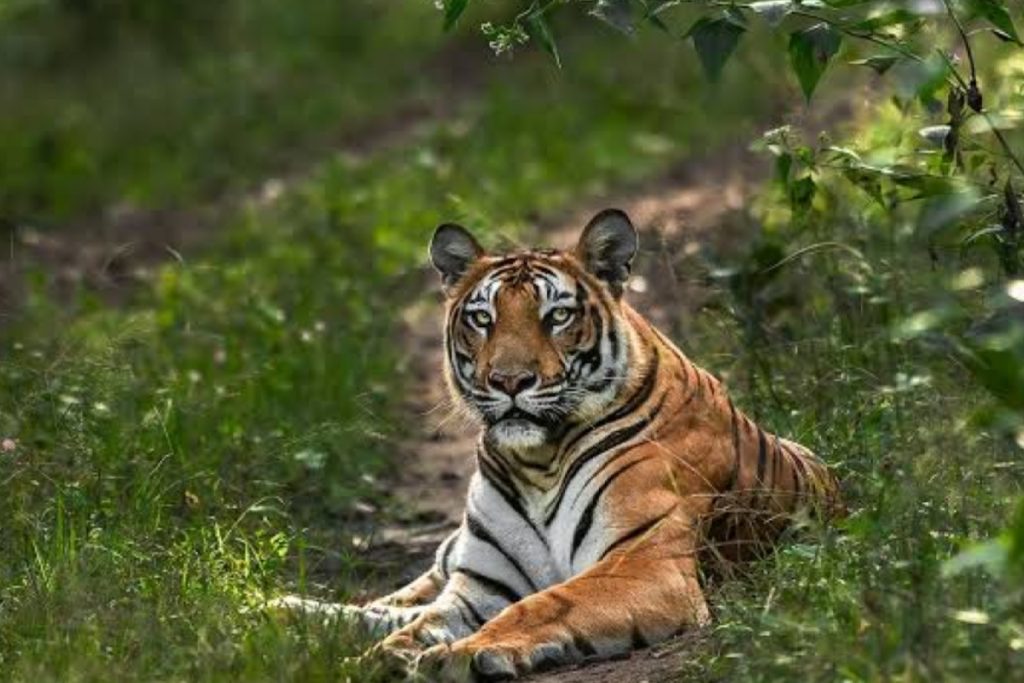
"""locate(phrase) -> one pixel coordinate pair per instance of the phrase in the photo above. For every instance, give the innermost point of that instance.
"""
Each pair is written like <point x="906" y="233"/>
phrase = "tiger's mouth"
<point x="517" y="413"/>
<point x="519" y="416"/>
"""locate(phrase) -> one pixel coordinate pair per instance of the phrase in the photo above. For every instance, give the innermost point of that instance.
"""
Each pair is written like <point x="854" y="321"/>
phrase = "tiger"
<point x="607" y="461"/>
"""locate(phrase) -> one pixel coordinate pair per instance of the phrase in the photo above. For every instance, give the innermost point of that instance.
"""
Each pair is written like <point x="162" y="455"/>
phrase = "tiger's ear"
<point x="607" y="247"/>
<point x="452" y="251"/>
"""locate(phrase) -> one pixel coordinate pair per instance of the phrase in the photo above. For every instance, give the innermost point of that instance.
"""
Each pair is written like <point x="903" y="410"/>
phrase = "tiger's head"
<point x="536" y="340"/>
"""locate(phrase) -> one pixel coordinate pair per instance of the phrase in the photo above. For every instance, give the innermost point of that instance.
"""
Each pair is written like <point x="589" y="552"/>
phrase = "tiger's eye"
<point x="560" y="316"/>
<point x="480" y="318"/>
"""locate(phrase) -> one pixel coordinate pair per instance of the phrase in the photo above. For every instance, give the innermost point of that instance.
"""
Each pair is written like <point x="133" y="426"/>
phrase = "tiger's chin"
<point x="518" y="434"/>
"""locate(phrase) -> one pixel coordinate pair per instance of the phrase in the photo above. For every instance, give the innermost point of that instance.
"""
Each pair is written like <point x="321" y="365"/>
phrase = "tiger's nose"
<point x="512" y="383"/>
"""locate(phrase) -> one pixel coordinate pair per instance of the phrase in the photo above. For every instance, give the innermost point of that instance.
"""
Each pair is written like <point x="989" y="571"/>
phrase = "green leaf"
<point x="655" y="7"/>
<point x="783" y="165"/>
<point x="878" y="63"/>
<point x="539" y="30"/>
<point x="897" y="16"/>
<point x="1003" y="36"/>
<point x="993" y="230"/>
<point x="657" y="22"/>
<point x="810" y="51"/>
<point x="870" y="183"/>
<point x="996" y="12"/>
<point x="773" y="11"/>
<point x="1015" y="539"/>
<point x="801" y="194"/>
<point x="837" y="4"/>
<point x="652" y="8"/>
<point x="715" y="40"/>
<point x="453" y="9"/>
<point x="616" y="13"/>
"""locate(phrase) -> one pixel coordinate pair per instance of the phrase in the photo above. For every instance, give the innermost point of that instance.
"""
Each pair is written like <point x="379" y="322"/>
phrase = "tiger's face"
<point x="535" y="340"/>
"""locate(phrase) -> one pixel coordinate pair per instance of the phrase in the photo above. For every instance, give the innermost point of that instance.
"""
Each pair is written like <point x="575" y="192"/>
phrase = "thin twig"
<point x="963" y="37"/>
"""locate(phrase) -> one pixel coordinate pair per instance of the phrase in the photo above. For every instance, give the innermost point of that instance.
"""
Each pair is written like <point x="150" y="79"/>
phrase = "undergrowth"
<point x="895" y="352"/>
<point x="171" y="464"/>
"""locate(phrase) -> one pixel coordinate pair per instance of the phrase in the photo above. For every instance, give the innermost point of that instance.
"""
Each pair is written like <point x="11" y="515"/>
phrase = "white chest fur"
<point x="532" y="539"/>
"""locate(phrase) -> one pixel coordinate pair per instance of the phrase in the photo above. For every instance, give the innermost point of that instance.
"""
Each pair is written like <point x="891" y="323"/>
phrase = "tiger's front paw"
<point x="505" y="659"/>
<point x="396" y="655"/>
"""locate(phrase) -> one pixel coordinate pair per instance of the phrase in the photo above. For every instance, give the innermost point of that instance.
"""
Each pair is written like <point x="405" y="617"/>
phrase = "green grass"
<point x="184" y="457"/>
<point x="176" y="102"/>
<point x="208" y="445"/>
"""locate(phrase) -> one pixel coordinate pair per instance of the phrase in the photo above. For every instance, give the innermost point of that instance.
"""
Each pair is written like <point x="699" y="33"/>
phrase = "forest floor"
<point x="682" y="211"/>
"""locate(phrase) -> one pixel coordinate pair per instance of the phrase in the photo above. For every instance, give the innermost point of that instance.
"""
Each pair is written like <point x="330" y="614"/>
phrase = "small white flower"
<point x="8" y="445"/>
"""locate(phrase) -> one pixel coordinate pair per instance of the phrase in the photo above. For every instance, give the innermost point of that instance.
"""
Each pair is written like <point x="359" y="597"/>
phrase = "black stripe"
<point x="493" y="586"/>
<point x="637" y="532"/>
<point x="581" y="643"/>
<point x="478" y="618"/>
<point x="498" y="478"/>
<point x="447" y="553"/>
<point x="797" y="484"/>
<point x="735" y="447"/>
<point x="477" y="528"/>
<point x="547" y="270"/>
<point x="587" y="518"/>
<point x="502" y="264"/>
<point x="606" y="444"/>
<point x="776" y="461"/>
<point x="762" y="453"/>
<point x="637" y="639"/>
<point x="594" y="475"/>
<point x="802" y="467"/>
<point x="487" y="469"/>
<point x="528" y="465"/>
<point x="638" y="398"/>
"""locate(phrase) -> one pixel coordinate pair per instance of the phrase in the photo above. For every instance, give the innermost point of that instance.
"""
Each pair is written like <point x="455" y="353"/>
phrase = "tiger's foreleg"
<point x="636" y="595"/>
<point x="377" y="620"/>
<point x="467" y="603"/>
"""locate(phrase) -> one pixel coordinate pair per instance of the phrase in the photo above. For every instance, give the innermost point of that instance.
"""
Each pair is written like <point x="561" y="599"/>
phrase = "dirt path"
<point x="677" y="215"/>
